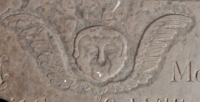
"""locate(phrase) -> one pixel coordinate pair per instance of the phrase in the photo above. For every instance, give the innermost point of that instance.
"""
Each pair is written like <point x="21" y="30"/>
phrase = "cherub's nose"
<point x="101" y="57"/>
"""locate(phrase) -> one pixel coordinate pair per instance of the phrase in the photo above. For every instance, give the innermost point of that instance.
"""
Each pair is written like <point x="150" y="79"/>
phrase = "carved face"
<point x="100" y="52"/>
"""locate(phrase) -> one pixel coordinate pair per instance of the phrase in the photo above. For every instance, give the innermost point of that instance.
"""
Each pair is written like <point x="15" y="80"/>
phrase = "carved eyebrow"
<point x="90" y="40"/>
<point x="87" y="44"/>
<point x="115" y="38"/>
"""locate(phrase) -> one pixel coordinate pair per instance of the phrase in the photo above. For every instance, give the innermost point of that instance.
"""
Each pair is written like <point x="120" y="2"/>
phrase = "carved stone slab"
<point x="99" y="50"/>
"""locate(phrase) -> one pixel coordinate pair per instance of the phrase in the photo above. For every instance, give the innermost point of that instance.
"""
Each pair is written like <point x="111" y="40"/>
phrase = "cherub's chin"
<point x="99" y="75"/>
<point x="99" y="78"/>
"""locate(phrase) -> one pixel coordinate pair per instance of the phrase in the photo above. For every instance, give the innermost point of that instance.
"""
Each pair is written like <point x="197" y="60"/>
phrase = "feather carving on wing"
<point x="42" y="44"/>
<point x="156" y="41"/>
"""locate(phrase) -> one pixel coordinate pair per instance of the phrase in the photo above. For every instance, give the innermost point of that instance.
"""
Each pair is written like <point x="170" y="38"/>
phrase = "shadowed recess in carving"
<point x="2" y="100"/>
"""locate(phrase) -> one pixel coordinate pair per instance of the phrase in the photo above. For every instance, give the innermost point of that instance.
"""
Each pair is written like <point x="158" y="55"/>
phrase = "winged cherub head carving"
<point x="100" y="52"/>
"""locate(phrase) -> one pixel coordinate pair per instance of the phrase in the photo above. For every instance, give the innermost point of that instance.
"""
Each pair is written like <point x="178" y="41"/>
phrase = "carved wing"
<point x="43" y="44"/>
<point x="156" y="41"/>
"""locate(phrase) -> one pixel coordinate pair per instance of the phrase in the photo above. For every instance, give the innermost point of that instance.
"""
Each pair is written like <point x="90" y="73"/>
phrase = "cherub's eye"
<point x="110" y="48"/>
<point x="90" y="47"/>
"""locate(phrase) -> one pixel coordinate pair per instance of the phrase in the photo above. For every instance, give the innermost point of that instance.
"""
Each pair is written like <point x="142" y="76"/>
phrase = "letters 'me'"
<point x="180" y="73"/>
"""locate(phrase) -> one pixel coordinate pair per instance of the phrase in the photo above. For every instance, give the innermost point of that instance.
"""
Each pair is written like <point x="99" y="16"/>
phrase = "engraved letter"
<point x="110" y="100"/>
<point x="196" y="75"/>
<point x="162" y="100"/>
<point x="183" y="72"/>
<point x="176" y="100"/>
<point x="131" y="100"/>
<point x="146" y="100"/>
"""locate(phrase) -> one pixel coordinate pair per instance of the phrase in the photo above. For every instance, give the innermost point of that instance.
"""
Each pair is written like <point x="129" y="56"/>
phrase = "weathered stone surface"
<point x="99" y="50"/>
